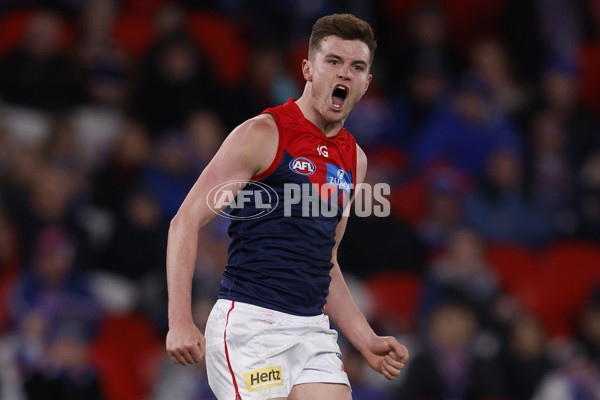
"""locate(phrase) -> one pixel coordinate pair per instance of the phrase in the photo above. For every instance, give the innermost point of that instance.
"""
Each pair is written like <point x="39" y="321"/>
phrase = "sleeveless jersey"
<point x="283" y="236"/>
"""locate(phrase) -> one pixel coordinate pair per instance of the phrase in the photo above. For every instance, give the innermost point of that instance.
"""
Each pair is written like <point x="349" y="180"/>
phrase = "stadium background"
<point x="483" y="116"/>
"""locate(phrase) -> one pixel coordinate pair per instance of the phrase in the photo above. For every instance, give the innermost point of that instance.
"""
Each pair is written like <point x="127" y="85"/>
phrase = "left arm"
<point x="383" y="353"/>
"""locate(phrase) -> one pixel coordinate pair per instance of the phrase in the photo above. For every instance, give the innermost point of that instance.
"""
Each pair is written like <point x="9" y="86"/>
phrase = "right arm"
<point x="246" y="152"/>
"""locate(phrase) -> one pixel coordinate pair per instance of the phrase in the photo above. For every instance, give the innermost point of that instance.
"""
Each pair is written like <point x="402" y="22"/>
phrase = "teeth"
<point x="341" y="87"/>
<point x="336" y="106"/>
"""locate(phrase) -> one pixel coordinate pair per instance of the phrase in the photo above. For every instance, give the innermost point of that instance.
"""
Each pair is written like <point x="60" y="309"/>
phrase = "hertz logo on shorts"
<point x="263" y="378"/>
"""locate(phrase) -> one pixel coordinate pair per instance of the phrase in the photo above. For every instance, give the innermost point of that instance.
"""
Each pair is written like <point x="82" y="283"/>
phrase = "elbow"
<point x="185" y="221"/>
<point x="176" y="222"/>
<point x="179" y="222"/>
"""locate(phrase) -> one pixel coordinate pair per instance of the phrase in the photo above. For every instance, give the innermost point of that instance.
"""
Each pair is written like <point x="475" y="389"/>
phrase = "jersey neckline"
<point x="310" y="126"/>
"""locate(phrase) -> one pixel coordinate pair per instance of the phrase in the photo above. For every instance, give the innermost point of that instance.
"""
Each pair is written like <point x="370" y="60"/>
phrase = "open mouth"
<point x="338" y="96"/>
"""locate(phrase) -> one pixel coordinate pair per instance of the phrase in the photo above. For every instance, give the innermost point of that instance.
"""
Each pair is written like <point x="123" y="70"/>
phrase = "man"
<point x="268" y="335"/>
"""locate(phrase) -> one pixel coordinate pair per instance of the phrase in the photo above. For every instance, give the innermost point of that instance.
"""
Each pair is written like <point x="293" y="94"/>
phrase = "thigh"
<point x="246" y="354"/>
<point x="320" y="391"/>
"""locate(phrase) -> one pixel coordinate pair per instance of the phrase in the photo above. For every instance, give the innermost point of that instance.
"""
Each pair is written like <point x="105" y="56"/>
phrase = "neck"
<point x="309" y="109"/>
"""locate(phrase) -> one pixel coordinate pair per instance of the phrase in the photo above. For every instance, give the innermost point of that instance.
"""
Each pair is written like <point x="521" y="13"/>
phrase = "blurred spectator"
<point x="467" y="131"/>
<point x="588" y="197"/>
<point x="448" y="365"/>
<point x="49" y="202"/>
<point x="446" y="188"/>
<point x="578" y="379"/>
<point x="424" y="45"/>
<point x="499" y="209"/>
<point x="588" y="331"/>
<point x="559" y="96"/>
<point x="375" y="243"/>
<point x="134" y="258"/>
<point x="174" y="81"/>
<point x="490" y="60"/>
<point x="123" y="169"/>
<point x="38" y="74"/>
<point x="561" y="26"/>
<point x="426" y="91"/>
<point x="105" y="65"/>
<point x="526" y="360"/>
<point x="205" y="131"/>
<point x="169" y="21"/>
<point x="55" y="316"/>
<point x="373" y="121"/>
<point x="171" y="174"/>
<point x="275" y="21"/>
<point x="552" y="177"/>
<point x="54" y="286"/>
<point x="269" y="20"/>
<point x="267" y="83"/>
<point x="61" y="146"/>
<point x="137" y="249"/>
<point x="461" y="273"/>
<point x="65" y="371"/>
<point x="96" y="129"/>
<point x="19" y="177"/>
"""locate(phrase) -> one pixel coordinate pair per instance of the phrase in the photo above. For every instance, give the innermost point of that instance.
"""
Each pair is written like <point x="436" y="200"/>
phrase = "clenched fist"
<point x="185" y="344"/>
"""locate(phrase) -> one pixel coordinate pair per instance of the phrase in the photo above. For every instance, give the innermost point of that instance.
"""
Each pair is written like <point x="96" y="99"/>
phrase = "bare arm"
<point x="247" y="151"/>
<point x="384" y="354"/>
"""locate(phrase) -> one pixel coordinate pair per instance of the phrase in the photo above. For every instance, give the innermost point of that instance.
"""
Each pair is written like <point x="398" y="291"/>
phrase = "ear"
<point x="307" y="70"/>
<point x="368" y="82"/>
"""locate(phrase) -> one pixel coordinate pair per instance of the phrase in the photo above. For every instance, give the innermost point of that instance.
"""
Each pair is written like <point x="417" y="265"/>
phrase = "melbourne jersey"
<point x="283" y="232"/>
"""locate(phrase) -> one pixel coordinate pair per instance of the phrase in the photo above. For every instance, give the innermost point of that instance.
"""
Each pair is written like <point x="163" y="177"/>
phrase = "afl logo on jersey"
<point x="302" y="166"/>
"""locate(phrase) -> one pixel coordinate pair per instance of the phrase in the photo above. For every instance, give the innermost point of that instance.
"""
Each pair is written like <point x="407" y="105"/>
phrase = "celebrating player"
<point x="268" y="335"/>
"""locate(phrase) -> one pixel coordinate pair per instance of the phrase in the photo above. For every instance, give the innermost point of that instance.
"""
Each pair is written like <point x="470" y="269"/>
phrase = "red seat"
<point x="512" y="264"/>
<point x="409" y="201"/>
<point x="12" y="29"/>
<point x="470" y="20"/>
<point x="221" y="41"/>
<point x="126" y="354"/>
<point x="134" y="32"/>
<point x="13" y="26"/>
<point x="589" y="81"/>
<point x="147" y="8"/>
<point x="396" y="296"/>
<point x="554" y="285"/>
<point x="571" y="273"/>
<point x="297" y="52"/>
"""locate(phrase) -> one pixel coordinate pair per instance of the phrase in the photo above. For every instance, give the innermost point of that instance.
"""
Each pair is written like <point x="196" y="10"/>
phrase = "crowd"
<point x="483" y="117"/>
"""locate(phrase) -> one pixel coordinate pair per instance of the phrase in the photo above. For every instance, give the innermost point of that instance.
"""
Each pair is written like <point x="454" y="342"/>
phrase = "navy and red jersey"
<point x="282" y="238"/>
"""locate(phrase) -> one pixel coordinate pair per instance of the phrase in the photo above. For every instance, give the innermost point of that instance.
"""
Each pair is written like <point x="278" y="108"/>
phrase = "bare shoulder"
<point x="361" y="164"/>
<point x="361" y="157"/>
<point x="259" y="128"/>
<point x="254" y="142"/>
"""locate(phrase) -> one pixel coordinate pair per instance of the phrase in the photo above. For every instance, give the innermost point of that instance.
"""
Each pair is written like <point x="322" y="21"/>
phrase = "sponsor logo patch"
<point x="263" y="378"/>
<point x="336" y="176"/>
<point x="302" y="166"/>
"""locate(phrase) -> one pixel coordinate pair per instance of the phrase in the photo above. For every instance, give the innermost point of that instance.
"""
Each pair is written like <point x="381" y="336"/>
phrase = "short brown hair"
<point x="344" y="26"/>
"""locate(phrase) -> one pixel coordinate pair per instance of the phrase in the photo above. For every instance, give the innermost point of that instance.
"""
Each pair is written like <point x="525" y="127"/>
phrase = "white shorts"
<point x="254" y="353"/>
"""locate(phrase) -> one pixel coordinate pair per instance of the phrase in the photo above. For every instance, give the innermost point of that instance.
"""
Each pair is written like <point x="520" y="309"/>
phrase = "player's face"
<point x="339" y="73"/>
